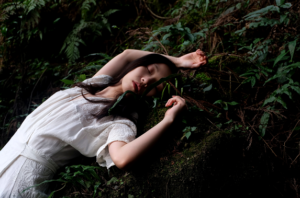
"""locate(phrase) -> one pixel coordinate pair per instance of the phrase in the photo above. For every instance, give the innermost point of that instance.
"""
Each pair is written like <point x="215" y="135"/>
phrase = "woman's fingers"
<point x="175" y="100"/>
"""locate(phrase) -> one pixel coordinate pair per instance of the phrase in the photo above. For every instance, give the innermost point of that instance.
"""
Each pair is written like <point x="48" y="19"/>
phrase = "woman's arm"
<point x="114" y="66"/>
<point x="123" y="155"/>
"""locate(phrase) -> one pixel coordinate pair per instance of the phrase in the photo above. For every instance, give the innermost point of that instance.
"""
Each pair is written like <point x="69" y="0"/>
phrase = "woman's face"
<point x="142" y="77"/>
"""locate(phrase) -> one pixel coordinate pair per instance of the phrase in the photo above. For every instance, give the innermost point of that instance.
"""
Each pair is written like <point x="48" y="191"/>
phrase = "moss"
<point x="202" y="77"/>
<point x="208" y="168"/>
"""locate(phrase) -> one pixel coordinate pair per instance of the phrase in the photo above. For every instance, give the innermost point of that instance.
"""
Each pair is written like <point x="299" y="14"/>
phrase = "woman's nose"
<point x="145" y="81"/>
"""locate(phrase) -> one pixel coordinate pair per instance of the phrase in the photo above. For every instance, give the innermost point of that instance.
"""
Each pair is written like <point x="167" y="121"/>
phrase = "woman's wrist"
<point x="168" y="120"/>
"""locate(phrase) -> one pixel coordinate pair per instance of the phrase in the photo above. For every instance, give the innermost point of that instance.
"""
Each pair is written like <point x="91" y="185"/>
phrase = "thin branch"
<point x="153" y="12"/>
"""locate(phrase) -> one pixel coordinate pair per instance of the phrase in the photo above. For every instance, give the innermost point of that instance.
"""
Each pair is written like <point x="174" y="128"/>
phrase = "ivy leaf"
<point x="193" y="128"/>
<point x="279" y="2"/>
<point x="286" y="5"/>
<point x="282" y="18"/>
<point x="292" y="46"/>
<point x="188" y="134"/>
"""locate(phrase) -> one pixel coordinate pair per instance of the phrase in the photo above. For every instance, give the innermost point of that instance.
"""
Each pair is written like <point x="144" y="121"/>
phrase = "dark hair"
<point x="127" y="106"/>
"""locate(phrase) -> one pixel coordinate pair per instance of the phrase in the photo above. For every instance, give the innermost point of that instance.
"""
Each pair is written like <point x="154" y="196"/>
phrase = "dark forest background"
<point x="240" y="136"/>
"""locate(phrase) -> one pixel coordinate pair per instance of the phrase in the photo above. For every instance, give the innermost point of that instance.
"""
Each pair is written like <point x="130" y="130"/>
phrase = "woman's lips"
<point x="135" y="86"/>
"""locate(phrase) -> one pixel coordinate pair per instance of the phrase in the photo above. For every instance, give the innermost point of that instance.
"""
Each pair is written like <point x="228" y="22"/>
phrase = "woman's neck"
<point x="111" y="91"/>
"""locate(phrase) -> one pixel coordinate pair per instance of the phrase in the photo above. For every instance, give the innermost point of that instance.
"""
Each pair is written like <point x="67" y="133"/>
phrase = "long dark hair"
<point x="127" y="106"/>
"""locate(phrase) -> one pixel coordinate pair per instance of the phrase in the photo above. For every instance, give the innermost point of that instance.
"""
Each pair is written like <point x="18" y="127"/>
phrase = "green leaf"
<point x="163" y="91"/>
<point x="193" y="128"/>
<point x="218" y="102"/>
<point x="186" y="129"/>
<point x="253" y="81"/>
<point x="157" y="83"/>
<point x="286" y="5"/>
<point x="188" y="134"/>
<point x="56" y="20"/>
<point x="279" y="2"/>
<point x="82" y="77"/>
<point x="155" y="102"/>
<point x="112" y="180"/>
<point x="279" y="99"/>
<point x="206" y="5"/>
<point x="264" y="123"/>
<point x="283" y="53"/>
<point x="282" y="18"/>
<point x="226" y="106"/>
<point x="232" y="103"/>
<point x="296" y="89"/>
<point x="67" y="82"/>
<point x="207" y="88"/>
<point x="292" y="46"/>
<point x="120" y="98"/>
<point x="96" y="186"/>
<point x="271" y="99"/>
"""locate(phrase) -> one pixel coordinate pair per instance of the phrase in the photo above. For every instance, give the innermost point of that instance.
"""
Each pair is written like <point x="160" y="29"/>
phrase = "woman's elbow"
<point x="122" y="164"/>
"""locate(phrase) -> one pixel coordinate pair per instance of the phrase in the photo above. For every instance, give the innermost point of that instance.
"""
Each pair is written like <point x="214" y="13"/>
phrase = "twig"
<point x="230" y="85"/>
<point x="213" y="124"/>
<point x="262" y="139"/>
<point x="295" y="159"/>
<point x="153" y="13"/>
<point x="290" y="134"/>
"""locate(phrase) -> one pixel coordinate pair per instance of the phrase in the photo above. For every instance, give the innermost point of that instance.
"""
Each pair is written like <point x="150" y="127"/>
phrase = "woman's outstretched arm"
<point x="117" y="64"/>
<point x="123" y="155"/>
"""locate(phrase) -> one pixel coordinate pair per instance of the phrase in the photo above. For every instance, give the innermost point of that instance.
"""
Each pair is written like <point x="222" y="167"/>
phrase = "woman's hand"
<point x="178" y="106"/>
<point x="193" y="60"/>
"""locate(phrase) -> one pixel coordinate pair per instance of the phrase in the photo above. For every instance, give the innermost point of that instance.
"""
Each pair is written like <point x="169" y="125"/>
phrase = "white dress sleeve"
<point x="101" y="79"/>
<point x="118" y="132"/>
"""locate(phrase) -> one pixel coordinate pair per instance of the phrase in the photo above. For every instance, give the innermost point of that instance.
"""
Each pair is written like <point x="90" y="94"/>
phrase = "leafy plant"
<point x="188" y="131"/>
<point x="224" y="104"/>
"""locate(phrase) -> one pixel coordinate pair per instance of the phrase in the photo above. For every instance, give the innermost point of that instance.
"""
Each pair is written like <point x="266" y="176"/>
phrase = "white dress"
<point x="56" y="132"/>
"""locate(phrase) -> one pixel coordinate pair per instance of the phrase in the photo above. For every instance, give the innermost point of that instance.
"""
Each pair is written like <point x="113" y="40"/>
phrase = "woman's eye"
<point x="149" y="70"/>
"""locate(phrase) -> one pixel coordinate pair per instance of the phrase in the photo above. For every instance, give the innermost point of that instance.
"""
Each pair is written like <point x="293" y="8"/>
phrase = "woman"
<point x="76" y="121"/>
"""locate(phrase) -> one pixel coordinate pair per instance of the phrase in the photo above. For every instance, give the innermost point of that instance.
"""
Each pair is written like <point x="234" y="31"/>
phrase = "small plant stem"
<point x="213" y="124"/>
<point x="262" y="139"/>
<point x="290" y="135"/>
<point x="230" y="85"/>
<point x="153" y="12"/>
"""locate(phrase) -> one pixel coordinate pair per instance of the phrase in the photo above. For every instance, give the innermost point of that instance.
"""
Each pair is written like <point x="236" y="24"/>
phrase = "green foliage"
<point x="188" y="131"/>
<point x="224" y="104"/>
<point x="73" y="40"/>
<point x="176" y="37"/>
